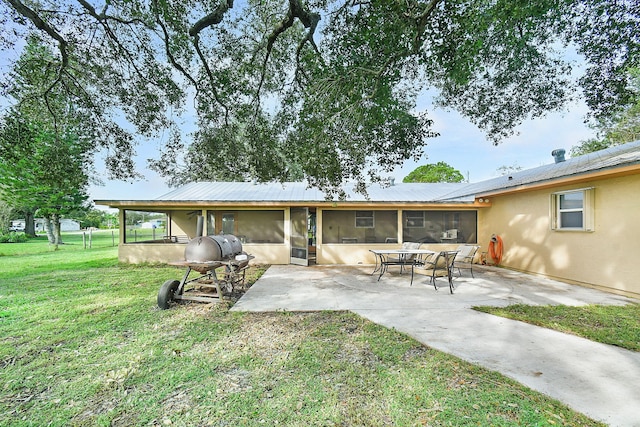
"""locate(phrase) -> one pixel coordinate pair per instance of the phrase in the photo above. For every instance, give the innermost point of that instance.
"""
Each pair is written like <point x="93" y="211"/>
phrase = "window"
<point x="435" y="226"/>
<point x="259" y="226"/>
<point x="414" y="219"/>
<point x="364" y="219"/>
<point x="229" y="223"/>
<point x="572" y="210"/>
<point x="348" y="226"/>
<point x="142" y="226"/>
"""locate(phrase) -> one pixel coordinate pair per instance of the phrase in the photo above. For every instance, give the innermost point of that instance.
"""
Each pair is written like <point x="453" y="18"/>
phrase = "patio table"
<point x="402" y="257"/>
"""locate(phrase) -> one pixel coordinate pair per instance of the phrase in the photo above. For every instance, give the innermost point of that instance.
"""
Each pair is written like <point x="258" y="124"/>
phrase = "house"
<point x="66" y="224"/>
<point x="156" y="223"/>
<point x="573" y="220"/>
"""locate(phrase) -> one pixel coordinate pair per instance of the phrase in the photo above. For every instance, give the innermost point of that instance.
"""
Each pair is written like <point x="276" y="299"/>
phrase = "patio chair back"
<point x="406" y="260"/>
<point x="411" y="245"/>
<point x="465" y="256"/>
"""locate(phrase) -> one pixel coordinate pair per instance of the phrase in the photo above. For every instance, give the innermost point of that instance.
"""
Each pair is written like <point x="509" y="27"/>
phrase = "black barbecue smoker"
<point x="219" y="264"/>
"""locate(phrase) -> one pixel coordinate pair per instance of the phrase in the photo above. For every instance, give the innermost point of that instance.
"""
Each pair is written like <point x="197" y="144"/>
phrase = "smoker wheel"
<point x="165" y="295"/>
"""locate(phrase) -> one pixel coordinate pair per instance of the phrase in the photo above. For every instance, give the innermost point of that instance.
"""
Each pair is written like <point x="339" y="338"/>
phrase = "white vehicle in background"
<point x="17" y="226"/>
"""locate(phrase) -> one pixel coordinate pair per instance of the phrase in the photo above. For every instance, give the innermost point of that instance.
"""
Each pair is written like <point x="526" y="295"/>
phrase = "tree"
<point x="96" y="218"/>
<point x="620" y="128"/>
<point x="6" y="212"/>
<point x="45" y="149"/>
<point x="13" y="155"/>
<point x="438" y="172"/>
<point x="323" y="88"/>
<point x="42" y="172"/>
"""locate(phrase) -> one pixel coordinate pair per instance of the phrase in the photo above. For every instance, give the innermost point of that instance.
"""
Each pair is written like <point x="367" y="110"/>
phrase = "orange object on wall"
<point x="495" y="249"/>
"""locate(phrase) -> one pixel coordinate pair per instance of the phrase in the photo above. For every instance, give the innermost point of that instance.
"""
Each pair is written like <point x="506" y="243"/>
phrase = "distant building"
<point x="66" y="224"/>
<point x="155" y="223"/>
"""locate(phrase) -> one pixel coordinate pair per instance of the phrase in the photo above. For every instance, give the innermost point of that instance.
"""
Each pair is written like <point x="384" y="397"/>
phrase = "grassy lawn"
<point x="615" y="325"/>
<point x="83" y="343"/>
<point x="73" y="241"/>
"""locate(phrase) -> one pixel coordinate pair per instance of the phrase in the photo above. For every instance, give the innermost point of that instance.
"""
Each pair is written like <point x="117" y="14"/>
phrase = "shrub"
<point x="13" y="238"/>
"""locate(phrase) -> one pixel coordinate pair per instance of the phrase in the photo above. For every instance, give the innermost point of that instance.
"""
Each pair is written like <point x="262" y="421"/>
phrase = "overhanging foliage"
<point x="321" y="89"/>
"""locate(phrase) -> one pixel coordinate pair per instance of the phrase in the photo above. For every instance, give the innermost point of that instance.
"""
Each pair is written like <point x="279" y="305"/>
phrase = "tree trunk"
<point x="56" y="229"/>
<point x="52" y="226"/>
<point x="49" y="229"/>
<point x="29" y="223"/>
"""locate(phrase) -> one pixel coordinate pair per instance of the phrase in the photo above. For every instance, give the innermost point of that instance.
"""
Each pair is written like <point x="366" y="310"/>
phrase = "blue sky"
<point x="460" y="144"/>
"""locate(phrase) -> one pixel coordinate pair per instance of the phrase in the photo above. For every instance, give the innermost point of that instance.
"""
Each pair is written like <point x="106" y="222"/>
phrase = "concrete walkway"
<point x="601" y="381"/>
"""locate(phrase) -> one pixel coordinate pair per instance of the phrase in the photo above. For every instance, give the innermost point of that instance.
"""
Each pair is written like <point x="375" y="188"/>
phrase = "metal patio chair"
<point x="403" y="261"/>
<point x="439" y="265"/>
<point x="465" y="256"/>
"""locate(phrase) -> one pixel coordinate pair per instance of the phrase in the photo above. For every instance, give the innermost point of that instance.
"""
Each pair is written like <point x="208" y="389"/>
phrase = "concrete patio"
<point x="598" y="380"/>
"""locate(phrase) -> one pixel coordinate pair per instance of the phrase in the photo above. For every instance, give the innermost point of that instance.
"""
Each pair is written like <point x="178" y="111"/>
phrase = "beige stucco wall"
<point x="162" y="253"/>
<point x="150" y="252"/>
<point x="604" y="258"/>
<point x="268" y="254"/>
<point x="351" y="254"/>
<point x="354" y="254"/>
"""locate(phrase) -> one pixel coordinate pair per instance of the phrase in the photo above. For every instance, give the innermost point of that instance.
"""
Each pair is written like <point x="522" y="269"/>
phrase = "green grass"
<point x="82" y="343"/>
<point x="615" y="325"/>
<point x="72" y="241"/>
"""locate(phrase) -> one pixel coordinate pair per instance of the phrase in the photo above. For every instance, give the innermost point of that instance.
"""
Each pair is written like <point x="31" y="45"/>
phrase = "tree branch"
<point x="31" y="15"/>
<point x="104" y="16"/>
<point x="421" y="22"/>
<point x="313" y="24"/>
<point x="167" y="49"/>
<point x="213" y="18"/>
<point x="103" y="19"/>
<point x="308" y="19"/>
<point x="205" y="64"/>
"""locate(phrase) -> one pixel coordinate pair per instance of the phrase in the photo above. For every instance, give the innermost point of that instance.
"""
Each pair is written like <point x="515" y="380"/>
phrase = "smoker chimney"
<point x="200" y="226"/>
<point x="558" y="155"/>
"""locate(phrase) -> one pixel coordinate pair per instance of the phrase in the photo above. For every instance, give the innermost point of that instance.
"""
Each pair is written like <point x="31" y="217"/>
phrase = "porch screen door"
<point x="299" y="243"/>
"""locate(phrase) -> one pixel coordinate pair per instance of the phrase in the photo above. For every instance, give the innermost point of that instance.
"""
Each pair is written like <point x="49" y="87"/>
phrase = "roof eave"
<point x="190" y="204"/>
<point x="565" y="180"/>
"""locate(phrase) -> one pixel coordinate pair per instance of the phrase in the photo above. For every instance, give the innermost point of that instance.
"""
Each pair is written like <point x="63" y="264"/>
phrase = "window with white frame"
<point x="573" y="210"/>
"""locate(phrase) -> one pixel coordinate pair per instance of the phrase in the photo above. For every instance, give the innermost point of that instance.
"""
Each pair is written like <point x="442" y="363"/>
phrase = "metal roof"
<point x="610" y="158"/>
<point x="239" y="192"/>
<point x="301" y="192"/>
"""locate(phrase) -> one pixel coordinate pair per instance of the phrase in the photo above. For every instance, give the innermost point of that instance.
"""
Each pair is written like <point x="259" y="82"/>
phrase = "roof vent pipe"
<point x="558" y="155"/>
<point x="392" y="181"/>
